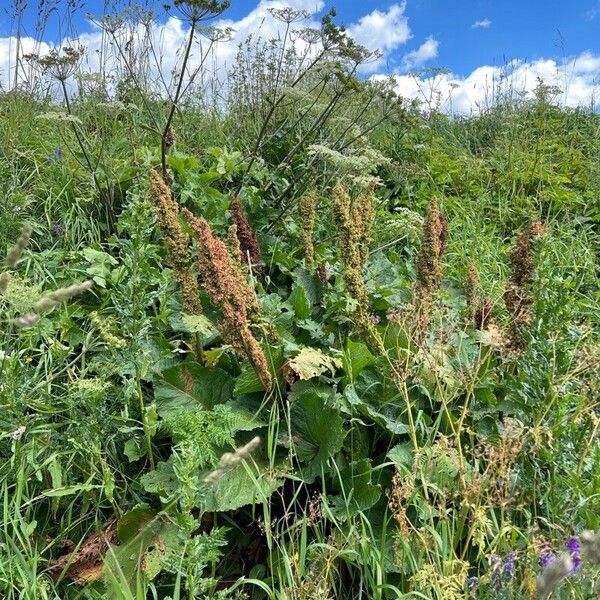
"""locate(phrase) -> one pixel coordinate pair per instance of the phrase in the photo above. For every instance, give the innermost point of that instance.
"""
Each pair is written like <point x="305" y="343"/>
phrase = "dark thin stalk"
<point x="163" y="144"/>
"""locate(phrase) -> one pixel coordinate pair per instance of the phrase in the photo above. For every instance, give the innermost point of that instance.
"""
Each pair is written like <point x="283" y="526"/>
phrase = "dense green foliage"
<point x="408" y="443"/>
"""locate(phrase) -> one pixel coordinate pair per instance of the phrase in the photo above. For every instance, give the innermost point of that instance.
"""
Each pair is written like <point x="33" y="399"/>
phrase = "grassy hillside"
<point x="303" y="341"/>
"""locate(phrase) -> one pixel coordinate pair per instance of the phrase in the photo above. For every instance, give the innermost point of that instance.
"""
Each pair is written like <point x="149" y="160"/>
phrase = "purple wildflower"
<point x="574" y="549"/>
<point x="509" y="564"/>
<point x="56" y="230"/>
<point x="472" y="582"/>
<point x="55" y="156"/>
<point x="546" y="555"/>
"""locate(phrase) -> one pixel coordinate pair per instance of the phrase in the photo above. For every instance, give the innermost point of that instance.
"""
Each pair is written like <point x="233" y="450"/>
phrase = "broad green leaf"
<point x="317" y="428"/>
<point x="311" y="362"/>
<point x="355" y="490"/>
<point x="401" y="454"/>
<point x="356" y="358"/>
<point x="241" y="486"/>
<point x="300" y="302"/>
<point x="190" y="386"/>
<point x="132" y="522"/>
<point x="389" y="415"/>
<point x="199" y="324"/>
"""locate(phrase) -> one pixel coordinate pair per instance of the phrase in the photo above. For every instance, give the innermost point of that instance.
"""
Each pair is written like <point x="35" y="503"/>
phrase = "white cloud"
<point x="426" y="51"/>
<point x="377" y="30"/>
<point x="384" y="31"/>
<point x="483" y="24"/>
<point x="577" y="78"/>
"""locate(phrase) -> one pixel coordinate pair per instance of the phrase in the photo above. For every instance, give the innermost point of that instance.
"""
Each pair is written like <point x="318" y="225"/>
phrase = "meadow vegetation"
<point x="286" y="335"/>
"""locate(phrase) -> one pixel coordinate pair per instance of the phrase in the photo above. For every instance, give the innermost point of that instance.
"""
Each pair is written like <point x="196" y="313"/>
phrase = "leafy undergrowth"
<point x="364" y="368"/>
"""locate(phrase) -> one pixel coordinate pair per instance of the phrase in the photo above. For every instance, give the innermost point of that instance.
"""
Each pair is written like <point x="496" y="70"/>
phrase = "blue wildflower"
<point x="472" y="582"/>
<point x="546" y="555"/>
<point x="509" y="564"/>
<point x="56" y="230"/>
<point x="574" y="549"/>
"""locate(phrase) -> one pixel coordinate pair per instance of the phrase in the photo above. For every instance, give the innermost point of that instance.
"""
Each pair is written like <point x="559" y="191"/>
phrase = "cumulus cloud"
<point x="483" y="24"/>
<point x="383" y="31"/>
<point x="426" y="51"/>
<point x="577" y="81"/>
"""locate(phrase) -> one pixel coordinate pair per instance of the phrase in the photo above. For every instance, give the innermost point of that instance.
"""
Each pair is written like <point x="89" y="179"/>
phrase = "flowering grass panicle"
<point x="176" y="241"/>
<point x="590" y="543"/>
<point x="17" y="250"/>
<point x="551" y="577"/>
<point x="228" y="289"/>
<point x="250" y="250"/>
<point x="50" y="300"/>
<point x="230" y="460"/>
<point x="14" y="255"/>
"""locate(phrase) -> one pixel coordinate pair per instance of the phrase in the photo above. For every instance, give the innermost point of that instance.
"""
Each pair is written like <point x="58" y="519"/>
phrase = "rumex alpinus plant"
<point x="353" y="222"/>
<point x="429" y="267"/>
<point x="517" y="296"/>
<point x="229" y="290"/>
<point x="176" y="241"/>
<point x="249" y="248"/>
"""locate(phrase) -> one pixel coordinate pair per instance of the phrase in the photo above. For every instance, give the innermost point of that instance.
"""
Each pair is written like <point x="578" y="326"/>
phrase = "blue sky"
<point x="527" y="29"/>
<point x="471" y="38"/>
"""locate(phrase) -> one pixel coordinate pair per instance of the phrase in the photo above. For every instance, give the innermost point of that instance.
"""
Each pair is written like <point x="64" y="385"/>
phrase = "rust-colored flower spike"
<point x="248" y="242"/>
<point x="363" y="212"/>
<point x="228" y="289"/>
<point x="429" y="266"/>
<point x="472" y="289"/>
<point x="307" y="211"/>
<point x="435" y="233"/>
<point x="176" y="241"/>
<point x="517" y="295"/>
<point x="353" y="222"/>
